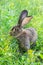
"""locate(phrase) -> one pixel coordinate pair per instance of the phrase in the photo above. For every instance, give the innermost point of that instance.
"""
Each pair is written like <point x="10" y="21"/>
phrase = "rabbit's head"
<point x="23" y="19"/>
<point x="15" y="31"/>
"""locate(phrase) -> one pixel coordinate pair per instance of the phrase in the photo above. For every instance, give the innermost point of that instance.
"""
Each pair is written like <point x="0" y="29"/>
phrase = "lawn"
<point x="9" y="15"/>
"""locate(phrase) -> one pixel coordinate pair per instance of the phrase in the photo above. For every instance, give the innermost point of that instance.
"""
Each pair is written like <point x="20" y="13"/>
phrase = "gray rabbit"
<point x="25" y="36"/>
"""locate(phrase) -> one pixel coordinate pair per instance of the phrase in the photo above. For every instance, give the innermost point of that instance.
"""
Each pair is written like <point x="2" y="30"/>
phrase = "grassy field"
<point x="9" y="14"/>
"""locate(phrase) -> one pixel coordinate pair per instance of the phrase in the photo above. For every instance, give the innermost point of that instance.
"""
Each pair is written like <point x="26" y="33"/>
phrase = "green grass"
<point x="9" y="14"/>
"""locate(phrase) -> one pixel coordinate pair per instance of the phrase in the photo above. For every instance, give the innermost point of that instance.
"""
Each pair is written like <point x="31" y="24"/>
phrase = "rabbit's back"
<point x="32" y="34"/>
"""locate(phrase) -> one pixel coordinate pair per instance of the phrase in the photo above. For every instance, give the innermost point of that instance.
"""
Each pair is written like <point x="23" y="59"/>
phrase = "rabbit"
<point x="25" y="36"/>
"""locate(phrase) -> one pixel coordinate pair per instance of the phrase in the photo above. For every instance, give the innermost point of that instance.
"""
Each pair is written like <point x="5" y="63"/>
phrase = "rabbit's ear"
<point x="23" y="14"/>
<point x="26" y="20"/>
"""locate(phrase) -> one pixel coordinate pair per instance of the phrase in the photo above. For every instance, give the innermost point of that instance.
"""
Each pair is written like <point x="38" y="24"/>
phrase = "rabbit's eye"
<point x="15" y="29"/>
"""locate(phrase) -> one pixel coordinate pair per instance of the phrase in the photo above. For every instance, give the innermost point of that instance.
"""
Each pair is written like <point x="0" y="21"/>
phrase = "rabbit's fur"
<point x="25" y="36"/>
